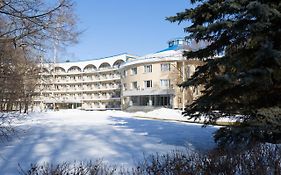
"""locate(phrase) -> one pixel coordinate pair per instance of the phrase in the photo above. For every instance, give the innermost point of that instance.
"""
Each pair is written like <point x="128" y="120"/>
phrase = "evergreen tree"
<point x="246" y="79"/>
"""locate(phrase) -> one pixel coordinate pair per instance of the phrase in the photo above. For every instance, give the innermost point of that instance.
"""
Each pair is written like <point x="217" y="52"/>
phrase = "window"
<point x="134" y="85"/>
<point x="165" y="83"/>
<point x="148" y="68"/>
<point x="148" y="84"/>
<point x="165" y="67"/>
<point x="171" y="43"/>
<point x="125" y="73"/>
<point x="124" y="86"/>
<point x="134" y="71"/>
<point x="89" y="77"/>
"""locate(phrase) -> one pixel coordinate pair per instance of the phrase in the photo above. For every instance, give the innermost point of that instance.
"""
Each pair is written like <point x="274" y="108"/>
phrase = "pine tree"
<point x="246" y="79"/>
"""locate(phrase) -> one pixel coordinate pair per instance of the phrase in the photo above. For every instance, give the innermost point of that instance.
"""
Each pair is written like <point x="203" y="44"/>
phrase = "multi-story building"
<point x="91" y="84"/>
<point x="152" y="80"/>
<point x="120" y="82"/>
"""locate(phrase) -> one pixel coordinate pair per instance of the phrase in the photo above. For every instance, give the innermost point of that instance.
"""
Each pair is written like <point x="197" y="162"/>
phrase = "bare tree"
<point x="19" y="75"/>
<point x="28" y="28"/>
<point x="37" y="23"/>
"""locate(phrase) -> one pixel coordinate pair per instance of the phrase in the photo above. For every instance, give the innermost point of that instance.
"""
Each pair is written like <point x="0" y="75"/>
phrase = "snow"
<point x="116" y="137"/>
<point x="96" y="62"/>
<point x="170" y="55"/>
<point x="176" y="115"/>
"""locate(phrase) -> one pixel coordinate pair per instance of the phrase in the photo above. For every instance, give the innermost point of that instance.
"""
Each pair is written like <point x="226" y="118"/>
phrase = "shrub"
<point x="77" y="168"/>
<point x="261" y="159"/>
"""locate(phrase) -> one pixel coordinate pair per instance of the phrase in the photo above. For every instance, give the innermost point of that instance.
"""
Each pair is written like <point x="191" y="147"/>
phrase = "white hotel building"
<point x="119" y="82"/>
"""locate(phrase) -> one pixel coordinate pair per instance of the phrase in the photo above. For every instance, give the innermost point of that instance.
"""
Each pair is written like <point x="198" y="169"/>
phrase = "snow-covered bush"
<point x="76" y="168"/>
<point x="261" y="159"/>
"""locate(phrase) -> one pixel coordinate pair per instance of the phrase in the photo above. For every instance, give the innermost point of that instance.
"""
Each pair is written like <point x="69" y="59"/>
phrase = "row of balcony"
<point x="79" y="79"/>
<point x="77" y="71"/>
<point x="64" y="98"/>
<point x="73" y="90"/>
<point x="71" y="80"/>
<point x="75" y="98"/>
<point x="77" y="87"/>
<point x="84" y="95"/>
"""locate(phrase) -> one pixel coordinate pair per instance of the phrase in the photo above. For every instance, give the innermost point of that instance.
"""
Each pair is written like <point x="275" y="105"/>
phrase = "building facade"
<point x="120" y="82"/>
<point x="87" y="85"/>
<point x="152" y="80"/>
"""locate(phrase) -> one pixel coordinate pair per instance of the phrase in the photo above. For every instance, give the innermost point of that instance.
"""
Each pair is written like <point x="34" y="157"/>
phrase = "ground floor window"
<point x="164" y="101"/>
<point x="63" y="105"/>
<point x="151" y="100"/>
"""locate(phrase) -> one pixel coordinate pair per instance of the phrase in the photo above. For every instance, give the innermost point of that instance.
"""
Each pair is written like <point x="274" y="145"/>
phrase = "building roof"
<point x="111" y="60"/>
<point x="174" y="52"/>
<point x="176" y="44"/>
<point x="168" y="55"/>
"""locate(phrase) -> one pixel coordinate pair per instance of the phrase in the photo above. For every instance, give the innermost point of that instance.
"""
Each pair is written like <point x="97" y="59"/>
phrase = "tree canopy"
<point x="242" y="71"/>
<point x="37" y="23"/>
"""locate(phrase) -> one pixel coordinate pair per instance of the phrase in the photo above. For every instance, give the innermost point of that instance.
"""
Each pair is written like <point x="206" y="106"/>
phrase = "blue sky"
<point x="117" y="26"/>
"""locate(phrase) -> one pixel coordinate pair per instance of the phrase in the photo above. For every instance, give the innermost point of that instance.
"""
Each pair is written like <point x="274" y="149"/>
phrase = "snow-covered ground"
<point x="176" y="115"/>
<point x="116" y="137"/>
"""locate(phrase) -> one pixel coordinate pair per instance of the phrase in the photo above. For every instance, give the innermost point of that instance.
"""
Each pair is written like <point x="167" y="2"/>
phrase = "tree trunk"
<point x="25" y="107"/>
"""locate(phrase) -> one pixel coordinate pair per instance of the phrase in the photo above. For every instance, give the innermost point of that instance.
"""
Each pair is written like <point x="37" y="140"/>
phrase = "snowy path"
<point x="114" y="136"/>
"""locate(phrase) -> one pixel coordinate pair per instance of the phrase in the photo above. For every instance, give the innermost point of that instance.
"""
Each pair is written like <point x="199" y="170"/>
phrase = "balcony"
<point x="78" y="80"/>
<point x="106" y="69"/>
<point x="148" y="91"/>
<point x="102" y="99"/>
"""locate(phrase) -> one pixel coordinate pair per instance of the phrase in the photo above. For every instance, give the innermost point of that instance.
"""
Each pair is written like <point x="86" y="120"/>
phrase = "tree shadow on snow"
<point x="172" y="133"/>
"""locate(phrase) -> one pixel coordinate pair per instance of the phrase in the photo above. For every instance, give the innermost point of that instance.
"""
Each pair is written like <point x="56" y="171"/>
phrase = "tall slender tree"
<point x="242" y="71"/>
